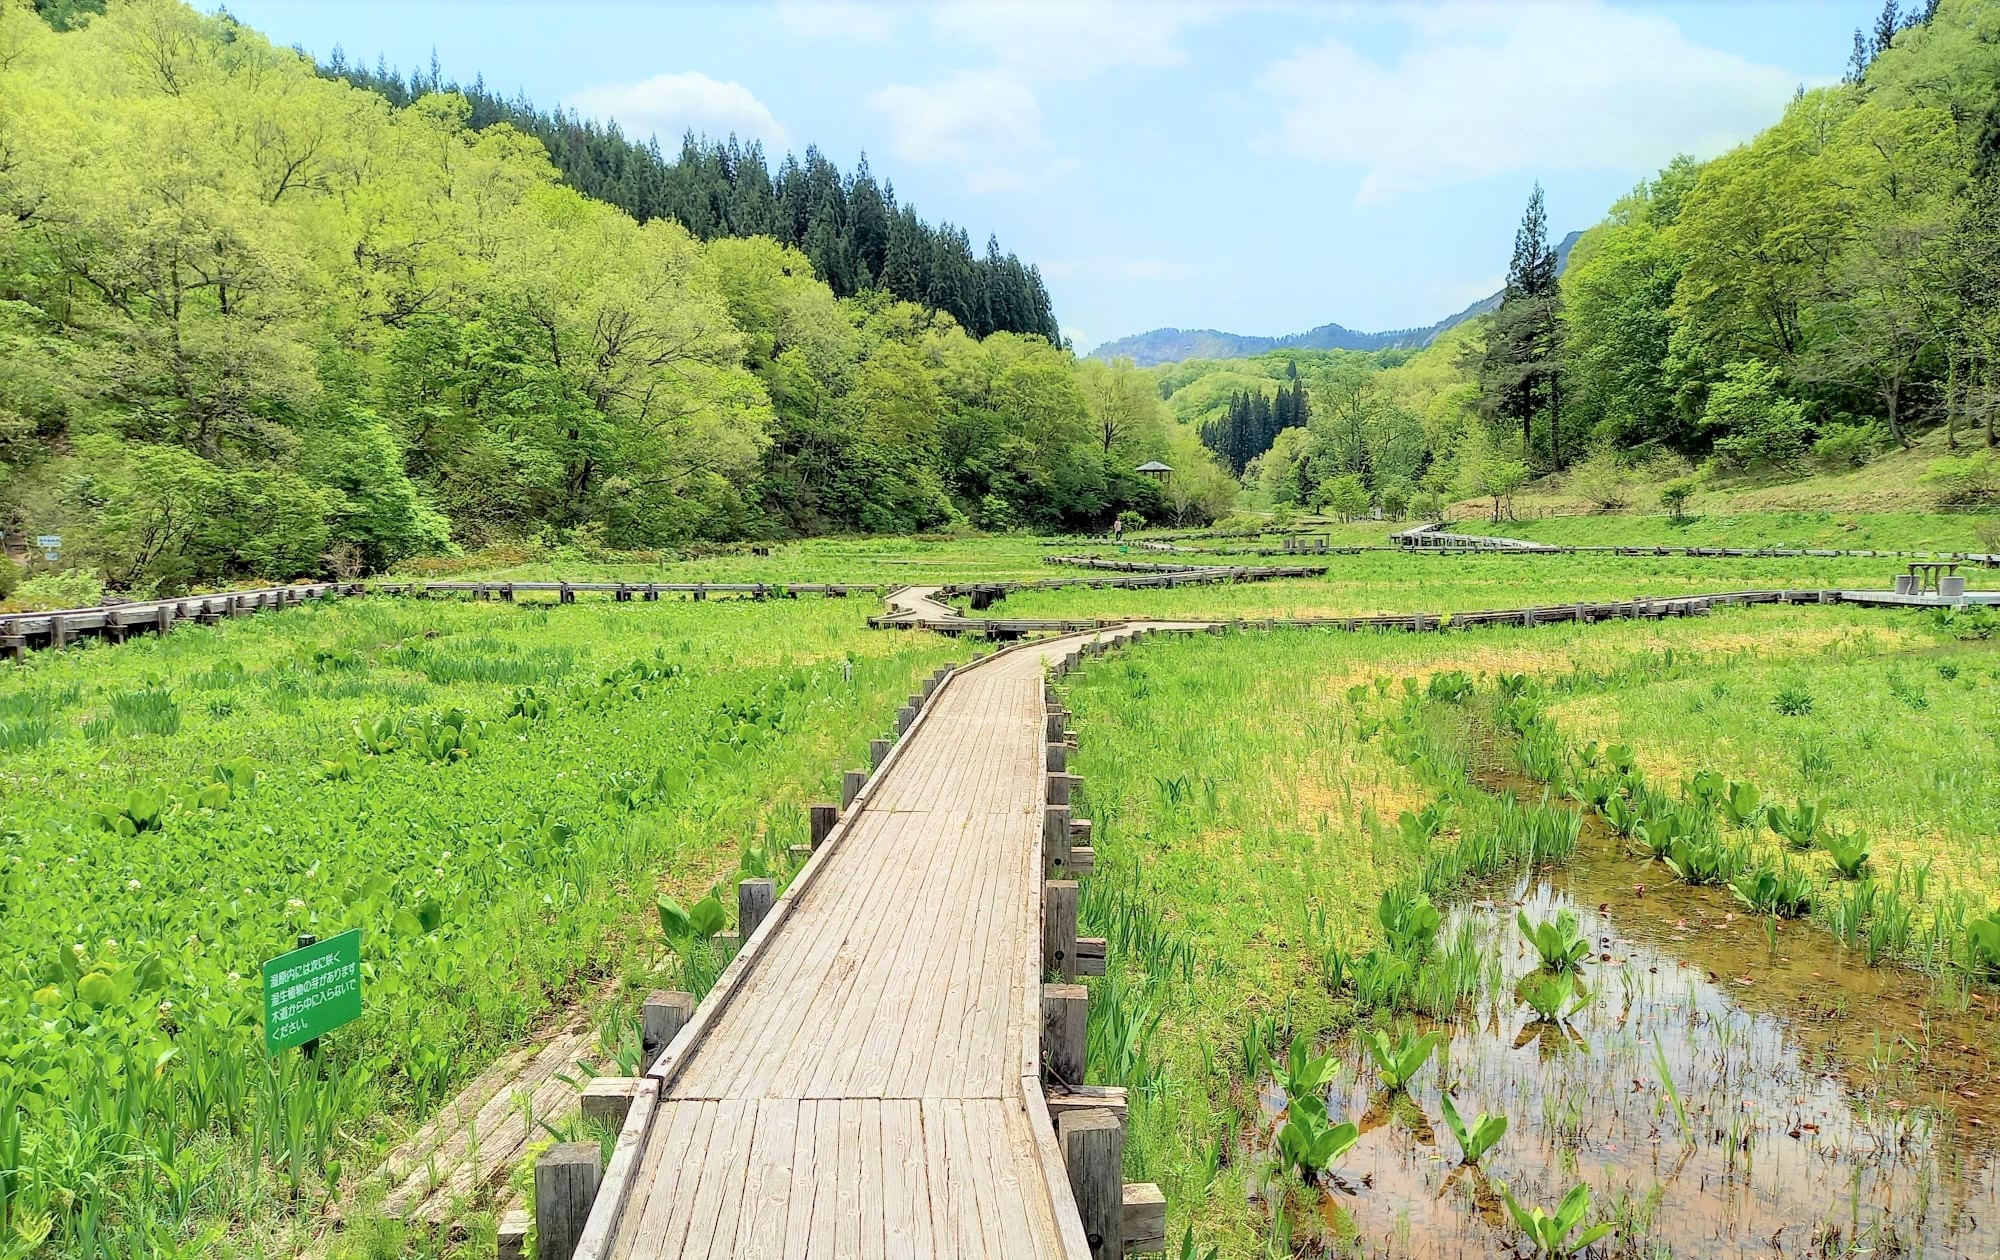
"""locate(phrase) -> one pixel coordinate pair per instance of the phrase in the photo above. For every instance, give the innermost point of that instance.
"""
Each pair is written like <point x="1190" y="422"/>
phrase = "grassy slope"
<point x="1882" y="504"/>
<point x="1878" y="531"/>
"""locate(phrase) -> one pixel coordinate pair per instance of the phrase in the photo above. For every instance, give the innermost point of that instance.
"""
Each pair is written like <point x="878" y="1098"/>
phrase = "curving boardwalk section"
<point x="868" y="1084"/>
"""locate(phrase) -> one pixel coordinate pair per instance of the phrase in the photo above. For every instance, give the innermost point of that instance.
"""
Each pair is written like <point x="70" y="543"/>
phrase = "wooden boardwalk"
<point x="867" y="1079"/>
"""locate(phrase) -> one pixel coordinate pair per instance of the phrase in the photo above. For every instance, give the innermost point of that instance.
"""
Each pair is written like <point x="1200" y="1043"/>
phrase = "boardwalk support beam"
<point x="822" y="818"/>
<point x="566" y="1179"/>
<point x="754" y="899"/>
<point x="1093" y="1147"/>
<point x="607" y="1100"/>
<point x="1055" y="842"/>
<point x="511" y="1243"/>
<point x="661" y="1020"/>
<point x="1065" y="1032"/>
<point x="1059" y="901"/>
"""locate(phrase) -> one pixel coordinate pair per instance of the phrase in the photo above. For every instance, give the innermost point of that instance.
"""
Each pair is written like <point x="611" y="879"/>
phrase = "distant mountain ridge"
<point x="1171" y="345"/>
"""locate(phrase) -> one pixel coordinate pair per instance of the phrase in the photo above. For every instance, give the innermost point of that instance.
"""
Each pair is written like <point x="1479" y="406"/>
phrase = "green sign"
<point x="312" y="991"/>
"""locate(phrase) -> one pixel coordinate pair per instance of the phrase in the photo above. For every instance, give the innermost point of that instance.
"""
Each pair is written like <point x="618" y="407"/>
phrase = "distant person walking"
<point x="1117" y="529"/>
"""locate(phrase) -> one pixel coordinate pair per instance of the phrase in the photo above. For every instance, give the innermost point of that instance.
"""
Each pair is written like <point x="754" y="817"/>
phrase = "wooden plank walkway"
<point x="866" y="1080"/>
<point x="860" y="1091"/>
<point x="462" y="1157"/>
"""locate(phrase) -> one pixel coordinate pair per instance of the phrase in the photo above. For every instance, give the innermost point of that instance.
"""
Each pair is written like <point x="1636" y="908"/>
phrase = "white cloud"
<point x="837" y="19"/>
<point x="667" y="105"/>
<point x="1046" y="39"/>
<point x="1480" y="90"/>
<point x="988" y="120"/>
<point x="978" y="118"/>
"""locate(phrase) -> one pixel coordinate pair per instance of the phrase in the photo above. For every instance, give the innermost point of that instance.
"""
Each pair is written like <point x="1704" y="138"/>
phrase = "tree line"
<point x="1817" y="294"/>
<point x="850" y="227"/>
<point x="1814" y="298"/>
<point x="256" y="321"/>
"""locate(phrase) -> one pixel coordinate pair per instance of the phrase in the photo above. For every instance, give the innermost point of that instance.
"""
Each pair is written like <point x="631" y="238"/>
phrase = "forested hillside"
<point x="849" y="227"/>
<point x="258" y="321"/>
<point x="1807" y="301"/>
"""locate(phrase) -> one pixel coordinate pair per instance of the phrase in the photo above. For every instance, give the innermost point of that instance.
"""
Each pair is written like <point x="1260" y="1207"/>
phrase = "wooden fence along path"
<point x="22" y="631"/>
<point x="19" y="631"/>
<point x="1434" y="537"/>
<point x="881" y="1071"/>
<point x="922" y="608"/>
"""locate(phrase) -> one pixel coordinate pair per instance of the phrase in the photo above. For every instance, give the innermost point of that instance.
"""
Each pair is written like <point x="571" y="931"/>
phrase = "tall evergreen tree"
<point x="851" y="227"/>
<point x="1886" y="26"/>
<point x="1519" y="369"/>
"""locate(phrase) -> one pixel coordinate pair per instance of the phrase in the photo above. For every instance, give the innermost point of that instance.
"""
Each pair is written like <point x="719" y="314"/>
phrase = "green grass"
<point x="1396" y="583"/>
<point x="1849" y="531"/>
<point x="1890" y="732"/>
<point x="892" y="561"/>
<point x="1247" y="811"/>
<point x="138" y="1110"/>
<point x="1246" y="798"/>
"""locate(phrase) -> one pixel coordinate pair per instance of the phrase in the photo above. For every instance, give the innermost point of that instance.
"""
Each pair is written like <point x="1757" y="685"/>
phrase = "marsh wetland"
<point x="1725" y="1085"/>
<point x="1458" y="979"/>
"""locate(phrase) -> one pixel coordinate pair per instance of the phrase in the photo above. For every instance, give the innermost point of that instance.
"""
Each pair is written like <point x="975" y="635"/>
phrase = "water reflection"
<point x="1822" y="1105"/>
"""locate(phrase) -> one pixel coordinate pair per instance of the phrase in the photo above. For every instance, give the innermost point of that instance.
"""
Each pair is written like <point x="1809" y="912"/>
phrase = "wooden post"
<point x="754" y="898"/>
<point x="1058" y="789"/>
<point x="506" y="592"/>
<point x="512" y="1242"/>
<point x="1058" y="758"/>
<point x="661" y="1020"/>
<point x="1055" y="842"/>
<point x="821" y="818"/>
<point x="163" y="618"/>
<point x="1093" y="1147"/>
<point x="1059" y="898"/>
<point x="608" y="1099"/>
<point x="566" y="1180"/>
<point x="904" y="717"/>
<point x="1065" y="1032"/>
<point x="1054" y="728"/>
<point x="878" y="752"/>
<point x="851" y="783"/>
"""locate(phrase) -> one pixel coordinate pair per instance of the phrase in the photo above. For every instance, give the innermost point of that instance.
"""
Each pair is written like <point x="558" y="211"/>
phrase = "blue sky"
<point x="1255" y="167"/>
